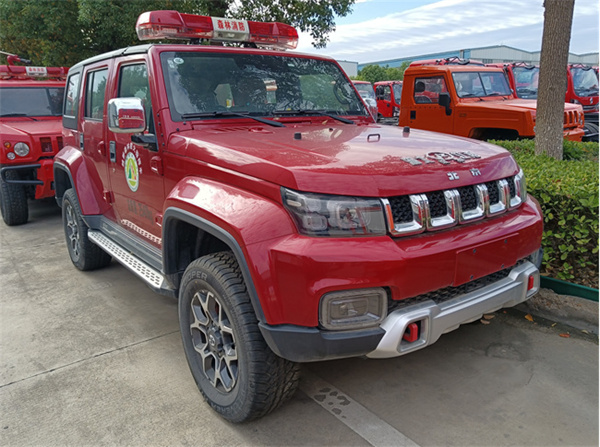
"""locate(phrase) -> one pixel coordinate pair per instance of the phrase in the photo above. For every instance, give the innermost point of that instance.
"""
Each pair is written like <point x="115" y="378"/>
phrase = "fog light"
<point x="353" y="309"/>
<point x="10" y="155"/>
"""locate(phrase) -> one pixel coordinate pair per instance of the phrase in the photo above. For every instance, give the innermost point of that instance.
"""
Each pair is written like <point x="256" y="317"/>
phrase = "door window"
<point x="95" y="93"/>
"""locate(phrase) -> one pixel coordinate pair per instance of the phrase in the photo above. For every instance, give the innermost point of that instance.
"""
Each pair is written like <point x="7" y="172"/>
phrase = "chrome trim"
<point x="483" y="200"/>
<point x="520" y="190"/>
<point x="451" y="218"/>
<point x="437" y="319"/>
<point x="503" y="199"/>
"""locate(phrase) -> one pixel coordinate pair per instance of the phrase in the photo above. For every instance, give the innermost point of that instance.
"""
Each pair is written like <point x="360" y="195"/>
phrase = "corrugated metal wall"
<point x="494" y="54"/>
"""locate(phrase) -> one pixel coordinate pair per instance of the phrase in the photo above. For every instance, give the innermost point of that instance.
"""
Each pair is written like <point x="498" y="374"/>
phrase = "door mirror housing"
<point x="444" y="101"/>
<point x="126" y="115"/>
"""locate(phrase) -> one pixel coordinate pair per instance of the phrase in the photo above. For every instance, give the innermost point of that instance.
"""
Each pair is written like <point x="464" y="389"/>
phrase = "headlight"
<point x="335" y="216"/>
<point x="21" y="149"/>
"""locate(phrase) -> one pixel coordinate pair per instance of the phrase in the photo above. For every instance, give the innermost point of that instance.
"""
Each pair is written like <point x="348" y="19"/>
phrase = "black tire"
<point x="591" y="128"/>
<point x="13" y="201"/>
<point x="84" y="254"/>
<point x="218" y="324"/>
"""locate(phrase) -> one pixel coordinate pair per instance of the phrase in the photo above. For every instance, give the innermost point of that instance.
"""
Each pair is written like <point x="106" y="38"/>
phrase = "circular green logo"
<point x="132" y="174"/>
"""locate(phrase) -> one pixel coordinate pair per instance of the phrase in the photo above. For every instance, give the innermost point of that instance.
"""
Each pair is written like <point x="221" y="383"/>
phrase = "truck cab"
<point x="30" y="135"/>
<point x="251" y="184"/>
<point x="472" y="101"/>
<point x="582" y="88"/>
<point x="388" y="95"/>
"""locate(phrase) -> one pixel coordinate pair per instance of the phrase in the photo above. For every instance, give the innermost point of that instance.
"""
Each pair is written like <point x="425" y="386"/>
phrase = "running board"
<point x="152" y="277"/>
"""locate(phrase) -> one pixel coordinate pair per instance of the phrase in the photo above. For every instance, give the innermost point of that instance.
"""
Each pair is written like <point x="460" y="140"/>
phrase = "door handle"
<point x="112" y="147"/>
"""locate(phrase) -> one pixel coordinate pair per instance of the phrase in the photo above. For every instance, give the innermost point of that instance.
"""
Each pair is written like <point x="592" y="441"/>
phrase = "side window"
<point x="95" y="92"/>
<point x="427" y="90"/>
<point x="71" y="103"/>
<point x="133" y="82"/>
<point x="387" y="93"/>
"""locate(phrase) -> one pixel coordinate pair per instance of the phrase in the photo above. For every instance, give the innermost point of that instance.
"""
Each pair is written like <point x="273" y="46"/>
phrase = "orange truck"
<point x="473" y="101"/>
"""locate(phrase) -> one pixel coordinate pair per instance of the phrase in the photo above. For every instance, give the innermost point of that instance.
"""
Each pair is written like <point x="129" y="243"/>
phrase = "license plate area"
<point x="484" y="259"/>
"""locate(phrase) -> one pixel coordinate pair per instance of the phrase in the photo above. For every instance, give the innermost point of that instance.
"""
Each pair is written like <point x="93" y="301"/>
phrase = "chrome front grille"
<point x="415" y="213"/>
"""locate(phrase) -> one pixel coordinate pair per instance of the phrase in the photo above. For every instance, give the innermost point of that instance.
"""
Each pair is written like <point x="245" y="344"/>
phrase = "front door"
<point x="138" y="190"/>
<point x="424" y="110"/>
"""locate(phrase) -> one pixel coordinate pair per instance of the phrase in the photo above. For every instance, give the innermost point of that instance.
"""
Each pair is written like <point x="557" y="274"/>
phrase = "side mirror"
<point x="444" y="101"/>
<point x="126" y="115"/>
<point x="379" y="93"/>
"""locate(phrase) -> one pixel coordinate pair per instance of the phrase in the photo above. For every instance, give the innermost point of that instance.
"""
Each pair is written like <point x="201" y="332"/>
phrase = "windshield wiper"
<point x="239" y="114"/>
<point x="313" y="112"/>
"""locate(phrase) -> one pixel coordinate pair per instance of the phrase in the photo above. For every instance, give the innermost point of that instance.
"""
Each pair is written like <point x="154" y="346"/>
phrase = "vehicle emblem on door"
<point x="131" y="165"/>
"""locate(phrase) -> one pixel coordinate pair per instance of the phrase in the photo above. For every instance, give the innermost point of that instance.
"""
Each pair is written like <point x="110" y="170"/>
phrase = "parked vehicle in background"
<point x="582" y="88"/>
<point x="367" y="93"/>
<point x="388" y="95"/>
<point x="253" y="185"/>
<point x="30" y="134"/>
<point x="472" y="101"/>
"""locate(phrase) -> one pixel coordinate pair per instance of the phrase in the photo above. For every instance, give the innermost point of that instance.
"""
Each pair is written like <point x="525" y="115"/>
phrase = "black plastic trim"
<point x="20" y="168"/>
<point x="305" y="344"/>
<point x="172" y="213"/>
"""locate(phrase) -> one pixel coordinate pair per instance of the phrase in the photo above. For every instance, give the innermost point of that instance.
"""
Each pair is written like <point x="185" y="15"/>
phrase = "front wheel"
<point x="84" y="254"/>
<point x="13" y="200"/>
<point x="237" y="373"/>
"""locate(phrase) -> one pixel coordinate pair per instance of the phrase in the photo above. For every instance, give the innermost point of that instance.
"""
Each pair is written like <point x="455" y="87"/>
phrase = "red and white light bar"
<point x="28" y="72"/>
<point x="173" y="25"/>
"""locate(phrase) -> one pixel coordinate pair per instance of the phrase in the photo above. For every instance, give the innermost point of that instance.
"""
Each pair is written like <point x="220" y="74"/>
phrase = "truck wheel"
<point x="237" y="373"/>
<point x="591" y="128"/>
<point x="84" y="254"/>
<point x="13" y="201"/>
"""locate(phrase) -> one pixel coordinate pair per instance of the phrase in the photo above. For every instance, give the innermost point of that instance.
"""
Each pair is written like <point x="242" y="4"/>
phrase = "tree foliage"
<point x="63" y="32"/>
<point x="376" y="73"/>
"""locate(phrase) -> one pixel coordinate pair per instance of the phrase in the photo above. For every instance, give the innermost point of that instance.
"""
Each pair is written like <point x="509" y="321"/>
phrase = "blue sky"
<point x="386" y="29"/>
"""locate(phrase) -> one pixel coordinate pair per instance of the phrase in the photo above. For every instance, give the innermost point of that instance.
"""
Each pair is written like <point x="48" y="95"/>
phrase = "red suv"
<point x="31" y="135"/>
<point x="252" y="184"/>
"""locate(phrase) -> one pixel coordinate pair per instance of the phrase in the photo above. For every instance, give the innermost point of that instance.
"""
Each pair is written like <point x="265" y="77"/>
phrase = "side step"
<point x="152" y="277"/>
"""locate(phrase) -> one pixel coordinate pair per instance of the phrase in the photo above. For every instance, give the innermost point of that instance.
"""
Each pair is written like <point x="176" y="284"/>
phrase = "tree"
<point x="558" y="18"/>
<point x="376" y="73"/>
<point x="47" y="32"/>
<point x="63" y="32"/>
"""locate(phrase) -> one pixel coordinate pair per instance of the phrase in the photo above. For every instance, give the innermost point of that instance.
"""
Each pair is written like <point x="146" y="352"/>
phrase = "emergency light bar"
<point x="173" y="25"/>
<point x="28" y="72"/>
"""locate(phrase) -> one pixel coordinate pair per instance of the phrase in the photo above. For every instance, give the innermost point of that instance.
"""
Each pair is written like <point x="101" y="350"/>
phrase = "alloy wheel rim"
<point x="72" y="231"/>
<point x="213" y="340"/>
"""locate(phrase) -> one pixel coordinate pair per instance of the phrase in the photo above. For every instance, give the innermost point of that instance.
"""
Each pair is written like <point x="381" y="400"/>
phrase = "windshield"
<point x="31" y="101"/>
<point x="585" y="82"/>
<point x="397" y="91"/>
<point x="365" y="90"/>
<point x="254" y="84"/>
<point x="482" y="83"/>
<point x="526" y="80"/>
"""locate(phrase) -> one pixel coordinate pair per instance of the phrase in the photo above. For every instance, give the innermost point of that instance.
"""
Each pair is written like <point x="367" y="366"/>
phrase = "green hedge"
<point x="568" y="194"/>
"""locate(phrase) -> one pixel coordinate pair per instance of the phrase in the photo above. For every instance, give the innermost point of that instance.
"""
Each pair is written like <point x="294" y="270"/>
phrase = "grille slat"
<point x="436" y="210"/>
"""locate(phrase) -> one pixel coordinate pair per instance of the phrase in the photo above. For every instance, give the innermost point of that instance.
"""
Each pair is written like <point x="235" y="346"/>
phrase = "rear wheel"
<point x="13" y="201"/>
<point x="84" y="254"/>
<point x="239" y="376"/>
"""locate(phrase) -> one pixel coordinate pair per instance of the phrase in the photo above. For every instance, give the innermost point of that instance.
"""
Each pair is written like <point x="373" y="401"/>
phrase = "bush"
<point x="568" y="194"/>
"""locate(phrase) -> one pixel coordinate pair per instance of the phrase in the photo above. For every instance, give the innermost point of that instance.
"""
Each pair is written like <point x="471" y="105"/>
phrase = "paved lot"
<point x="96" y="358"/>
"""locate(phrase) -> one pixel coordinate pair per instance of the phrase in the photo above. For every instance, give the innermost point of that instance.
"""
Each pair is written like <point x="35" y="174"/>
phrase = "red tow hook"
<point x="412" y="333"/>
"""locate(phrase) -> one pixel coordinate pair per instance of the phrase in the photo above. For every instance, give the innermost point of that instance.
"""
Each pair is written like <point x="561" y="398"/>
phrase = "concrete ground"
<point x="96" y="359"/>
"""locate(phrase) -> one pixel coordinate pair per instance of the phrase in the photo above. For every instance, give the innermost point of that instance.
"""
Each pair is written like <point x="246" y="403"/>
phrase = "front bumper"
<point x="433" y="319"/>
<point x="43" y="177"/>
